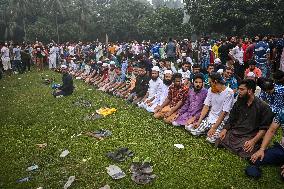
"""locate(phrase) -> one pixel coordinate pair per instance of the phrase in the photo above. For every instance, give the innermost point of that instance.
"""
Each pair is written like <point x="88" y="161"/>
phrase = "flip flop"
<point x="120" y="154"/>
<point x="116" y="156"/>
<point x="92" y="117"/>
<point x="146" y="167"/>
<point x="135" y="166"/>
<point x="115" y="172"/>
<point x="143" y="178"/>
<point x="126" y="152"/>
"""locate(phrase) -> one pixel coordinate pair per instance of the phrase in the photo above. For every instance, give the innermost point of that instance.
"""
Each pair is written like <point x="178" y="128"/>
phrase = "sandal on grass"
<point x="143" y="178"/>
<point x="115" y="172"/>
<point x="120" y="154"/>
<point x="135" y="166"/>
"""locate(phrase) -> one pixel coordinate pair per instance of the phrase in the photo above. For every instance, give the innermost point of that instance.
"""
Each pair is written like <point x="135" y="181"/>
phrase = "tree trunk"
<point x="25" y="29"/>
<point x="57" y="30"/>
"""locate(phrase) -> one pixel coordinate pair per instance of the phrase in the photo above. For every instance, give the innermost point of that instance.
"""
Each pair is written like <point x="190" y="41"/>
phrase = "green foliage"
<point x="126" y="20"/>
<point x="162" y="23"/>
<point x="41" y="30"/>
<point x="237" y="17"/>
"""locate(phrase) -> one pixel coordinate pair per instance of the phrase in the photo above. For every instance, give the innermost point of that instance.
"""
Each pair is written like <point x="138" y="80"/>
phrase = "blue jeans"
<point x="17" y="66"/>
<point x="272" y="156"/>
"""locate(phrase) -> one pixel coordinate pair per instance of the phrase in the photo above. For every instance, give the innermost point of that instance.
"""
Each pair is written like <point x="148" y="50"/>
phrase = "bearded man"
<point x="158" y="101"/>
<point x="217" y="105"/>
<point x="154" y="90"/>
<point x="249" y="119"/>
<point x="191" y="110"/>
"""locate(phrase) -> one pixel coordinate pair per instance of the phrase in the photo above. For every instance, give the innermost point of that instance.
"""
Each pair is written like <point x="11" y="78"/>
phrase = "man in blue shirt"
<point x="171" y="50"/>
<point x="273" y="94"/>
<point x="230" y="80"/>
<point x="262" y="55"/>
<point x="205" y="50"/>
<point x="17" y="58"/>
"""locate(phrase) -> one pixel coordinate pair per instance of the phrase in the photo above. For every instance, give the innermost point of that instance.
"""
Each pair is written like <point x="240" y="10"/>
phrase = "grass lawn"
<point x="29" y="115"/>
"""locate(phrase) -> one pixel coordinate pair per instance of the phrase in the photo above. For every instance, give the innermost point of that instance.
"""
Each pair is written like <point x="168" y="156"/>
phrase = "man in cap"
<point x="111" y="74"/>
<point x="67" y="87"/>
<point x="185" y="72"/>
<point x="154" y="90"/>
<point x="253" y="77"/>
<point x="158" y="101"/>
<point x="217" y="105"/>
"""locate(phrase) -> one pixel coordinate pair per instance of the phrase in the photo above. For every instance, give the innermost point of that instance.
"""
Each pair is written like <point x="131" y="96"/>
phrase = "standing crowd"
<point x="230" y="90"/>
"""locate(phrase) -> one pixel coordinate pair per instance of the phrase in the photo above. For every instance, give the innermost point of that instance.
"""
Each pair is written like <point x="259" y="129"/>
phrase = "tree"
<point x="236" y="17"/>
<point x="163" y="23"/>
<point x="120" y="18"/>
<point x="56" y="8"/>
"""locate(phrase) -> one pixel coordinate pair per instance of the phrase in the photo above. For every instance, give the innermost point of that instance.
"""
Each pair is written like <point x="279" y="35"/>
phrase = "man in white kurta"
<point x="52" y="57"/>
<point x="154" y="90"/>
<point x="163" y="94"/>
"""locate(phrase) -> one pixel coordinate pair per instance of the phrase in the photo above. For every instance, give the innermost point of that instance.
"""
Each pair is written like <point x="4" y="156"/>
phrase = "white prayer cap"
<point x="220" y="71"/>
<point x="168" y="72"/>
<point x="217" y="61"/>
<point x="250" y="74"/>
<point x="156" y="68"/>
<point x="99" y="62"/>
<point x="112" y="63"/>
<point x="178" y="61"/>
<point x="63" y="67"/>
<point x="105" y="64"/>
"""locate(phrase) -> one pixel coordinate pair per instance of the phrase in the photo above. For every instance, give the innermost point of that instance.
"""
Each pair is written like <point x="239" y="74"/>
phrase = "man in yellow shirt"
<point x="215" y="49"/>
<point x="111" y="49"/>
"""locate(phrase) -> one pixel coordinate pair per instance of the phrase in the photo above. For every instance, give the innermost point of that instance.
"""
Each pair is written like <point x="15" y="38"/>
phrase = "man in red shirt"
<point x="245" y="45"/>
<point x="176" y="98"/>
<point x="252" y="68"/>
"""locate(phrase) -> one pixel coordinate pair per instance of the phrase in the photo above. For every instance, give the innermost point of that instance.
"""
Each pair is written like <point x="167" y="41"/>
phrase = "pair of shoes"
<point x="142" y="172"/>
<point x="120" y="154"/>
<point x="115" y="172"/>
<point x="100" y="134"/>
<point x="60" y="96"/>
<point x="92" y="117"/>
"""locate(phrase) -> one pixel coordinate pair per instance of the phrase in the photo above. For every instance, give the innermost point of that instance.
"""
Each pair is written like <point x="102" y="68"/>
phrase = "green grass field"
<point x="29" y="115"/>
